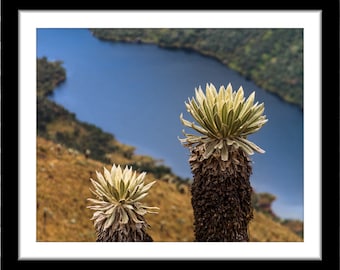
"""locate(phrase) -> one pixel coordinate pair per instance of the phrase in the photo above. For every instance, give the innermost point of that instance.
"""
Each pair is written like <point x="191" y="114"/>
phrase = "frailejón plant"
<point x="219" y="160"/>
<point x="119" y="212"/>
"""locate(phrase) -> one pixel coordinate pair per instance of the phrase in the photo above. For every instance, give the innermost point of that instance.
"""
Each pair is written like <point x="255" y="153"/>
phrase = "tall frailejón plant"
<point x="219" y="160"/>
<point x="119" y="213"/>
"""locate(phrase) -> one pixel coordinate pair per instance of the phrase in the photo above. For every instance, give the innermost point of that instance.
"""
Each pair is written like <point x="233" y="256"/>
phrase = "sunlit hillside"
<point x="63" y="188"/>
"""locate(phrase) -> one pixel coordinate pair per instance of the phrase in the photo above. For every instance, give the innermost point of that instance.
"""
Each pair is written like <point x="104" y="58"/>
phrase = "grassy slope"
<point x="63" y="187"/>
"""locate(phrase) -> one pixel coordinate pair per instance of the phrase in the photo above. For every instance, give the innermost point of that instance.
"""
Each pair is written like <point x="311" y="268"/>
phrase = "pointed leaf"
<point x="109" y="221"/>
<point x="210" y="148"/>
<point x="252" y="145"/>
<point x="225" y="152"/>
<point x="107" y="176"/>
<point x="248" y="104"/>
<point x="124" y="218"/>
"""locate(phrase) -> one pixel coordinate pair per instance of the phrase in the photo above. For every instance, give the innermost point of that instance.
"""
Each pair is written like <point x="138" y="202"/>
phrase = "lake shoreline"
<point x="191" y="49"/>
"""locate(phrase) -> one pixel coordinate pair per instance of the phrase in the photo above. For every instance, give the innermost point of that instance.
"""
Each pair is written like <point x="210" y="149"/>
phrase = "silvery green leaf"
<point x="100" y="190"/>
<point x="210" y="148"/>
<point x="139" y="197"/>
<point x="238" y="98"/>
<point x="108" y="223"/>
<point x="121" y="189"/>
<point x="135" y="191"/>
<point x="140" y="211"/>
<point x="224" y="152"/>
<point x="125" y="217"/>
<point x="133" y="216"/>
<point x="114" y="193"/>
<point x="147" y="187"/>
<point x="245" y="147"/>
<point x="110" y="210"/>
<point x="229" y="91"/>
<point x="151" y="209"/>
<point x="230" y="120"/>
<point x="101" y="179"/>
<point x="211" y="94"/>
<point x="209" y="118"/>
<point x="219" y="145"/>
<point x="248" y="104"/>
<point x="200" y="97"/>
<point x="218" y="123"/>
<point x="253" y="145"/>
<point x="224" y="113"/>
<point x="107" y="176"/>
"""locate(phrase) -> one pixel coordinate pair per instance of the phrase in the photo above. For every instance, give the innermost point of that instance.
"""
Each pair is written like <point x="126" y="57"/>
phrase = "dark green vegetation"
<point x="272" y="58"/>
<point x="49" y="75"/>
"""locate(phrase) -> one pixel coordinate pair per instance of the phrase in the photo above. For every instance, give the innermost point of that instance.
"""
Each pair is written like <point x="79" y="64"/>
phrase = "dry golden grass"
<point x="63" y="188"/>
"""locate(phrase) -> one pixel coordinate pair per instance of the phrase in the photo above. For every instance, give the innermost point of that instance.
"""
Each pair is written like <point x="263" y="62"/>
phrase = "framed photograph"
<point x="131" y="55"/>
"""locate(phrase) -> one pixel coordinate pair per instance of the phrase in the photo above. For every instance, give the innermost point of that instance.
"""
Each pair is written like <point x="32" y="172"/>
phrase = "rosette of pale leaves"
<point x="118" y="198"/>
<point x="225" y="118"/>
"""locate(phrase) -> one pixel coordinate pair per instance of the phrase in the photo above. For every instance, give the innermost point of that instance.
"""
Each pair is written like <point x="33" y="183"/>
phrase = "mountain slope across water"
<point x="272" y="58"/>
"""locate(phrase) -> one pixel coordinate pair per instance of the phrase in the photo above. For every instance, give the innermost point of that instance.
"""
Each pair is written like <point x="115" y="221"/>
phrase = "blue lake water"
<point x="137" y="92"/>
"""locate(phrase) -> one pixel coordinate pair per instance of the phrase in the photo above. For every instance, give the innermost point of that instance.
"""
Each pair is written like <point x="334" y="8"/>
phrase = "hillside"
<point x="63" y="188"/>
<point x="271" y="58"/>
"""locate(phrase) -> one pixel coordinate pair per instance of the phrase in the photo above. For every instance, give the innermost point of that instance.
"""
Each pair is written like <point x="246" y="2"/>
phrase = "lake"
<point x="137" y="92"/>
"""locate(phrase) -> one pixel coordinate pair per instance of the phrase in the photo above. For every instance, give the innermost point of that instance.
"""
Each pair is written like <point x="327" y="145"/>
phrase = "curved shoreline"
<point x="205" y="53"/>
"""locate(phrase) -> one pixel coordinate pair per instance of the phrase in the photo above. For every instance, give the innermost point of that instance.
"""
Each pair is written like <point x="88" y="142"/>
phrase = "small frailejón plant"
<point x="219" y="160"/>
<point x="119" y="212"/>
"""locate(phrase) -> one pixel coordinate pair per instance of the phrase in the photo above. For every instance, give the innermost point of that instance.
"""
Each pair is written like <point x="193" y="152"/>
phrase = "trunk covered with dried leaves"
<point x="221" y="197"/>
<point x="130" y="232"/>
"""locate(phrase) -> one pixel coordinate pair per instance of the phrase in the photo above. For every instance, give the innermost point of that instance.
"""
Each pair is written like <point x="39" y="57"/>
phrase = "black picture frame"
<point x="10" y="131"/>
